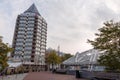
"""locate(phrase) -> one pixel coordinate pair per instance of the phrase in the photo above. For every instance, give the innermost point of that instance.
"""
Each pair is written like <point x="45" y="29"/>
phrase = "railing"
<point x="107" y="75"/>
<point x="3" y="72"/>
<point x="100" y="75"/>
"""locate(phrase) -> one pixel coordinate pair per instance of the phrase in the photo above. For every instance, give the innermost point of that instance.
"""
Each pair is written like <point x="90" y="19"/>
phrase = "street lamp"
<point x="22" y="58"/>
<point x="22" y="55"/>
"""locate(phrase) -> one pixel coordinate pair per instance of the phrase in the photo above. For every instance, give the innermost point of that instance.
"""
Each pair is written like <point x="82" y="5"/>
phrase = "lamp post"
<point x="22" y="58"/>
<point x="36" y="63"/>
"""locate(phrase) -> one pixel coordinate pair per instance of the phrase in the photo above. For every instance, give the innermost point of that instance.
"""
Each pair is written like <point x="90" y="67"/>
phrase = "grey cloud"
<point x="70" y="22"/>
<point x="105" y="13"/>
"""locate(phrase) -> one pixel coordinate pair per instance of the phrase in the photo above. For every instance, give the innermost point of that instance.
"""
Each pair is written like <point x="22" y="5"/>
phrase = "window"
<point x="21" y="28"/>
<point x="21" y="32"/>
<point x="31" y="25"/>
<point x="23" y="18"/>
<point x="20" y="36"/>
<point x="28" y="52"/>
<point x="31" y="18"/>
<point x="22" y="21"/>
<point x="29" y="36"/>
<point x="30" y="29"/>
<point x="19" y="43"/>
<point x="28" y="48"/>
<point x="31" y="22"/>
<point x="22" y="24"/>
<point x="29" y="40"/>
<point x="20" y="40"/>
<point x="18" y="48"/>
<point x="28" y="44"/>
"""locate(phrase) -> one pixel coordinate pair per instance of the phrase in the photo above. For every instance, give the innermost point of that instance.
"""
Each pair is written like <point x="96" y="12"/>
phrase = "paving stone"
<point x="49" y="76"/>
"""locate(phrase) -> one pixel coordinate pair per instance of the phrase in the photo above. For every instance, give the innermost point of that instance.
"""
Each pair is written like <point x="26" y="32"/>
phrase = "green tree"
<point x="52" y="58"/>
<point x="65" y="57"/>
<point x="108" y="40"/>
<point x="4" y="49"/>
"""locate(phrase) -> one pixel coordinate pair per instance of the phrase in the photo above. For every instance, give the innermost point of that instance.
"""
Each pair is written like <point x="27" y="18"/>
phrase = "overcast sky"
<point x="70" y="22"/>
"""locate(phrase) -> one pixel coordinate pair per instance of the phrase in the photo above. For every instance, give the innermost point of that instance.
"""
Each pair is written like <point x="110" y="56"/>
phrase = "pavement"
<point x="13" y="77"/>
<point x="39" y="76"/>
<point x="49" y="76"/>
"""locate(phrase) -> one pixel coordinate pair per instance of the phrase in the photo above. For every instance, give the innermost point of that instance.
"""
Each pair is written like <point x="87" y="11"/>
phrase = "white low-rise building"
<point x="86" y="60"/>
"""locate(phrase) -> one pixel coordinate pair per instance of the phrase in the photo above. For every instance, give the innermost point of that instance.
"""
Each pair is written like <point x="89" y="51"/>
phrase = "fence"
<point x="101" y="75"/>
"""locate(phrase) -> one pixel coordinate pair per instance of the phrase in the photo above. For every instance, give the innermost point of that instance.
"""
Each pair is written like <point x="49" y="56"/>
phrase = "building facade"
<point x="30" y="35"/>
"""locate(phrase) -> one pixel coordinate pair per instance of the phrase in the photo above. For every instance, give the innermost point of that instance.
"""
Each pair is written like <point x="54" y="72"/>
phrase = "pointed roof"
<point x="32" y="9"/>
